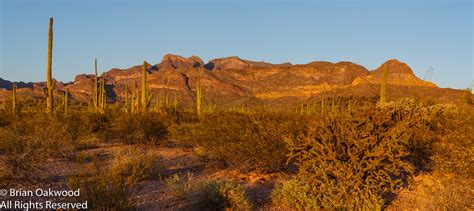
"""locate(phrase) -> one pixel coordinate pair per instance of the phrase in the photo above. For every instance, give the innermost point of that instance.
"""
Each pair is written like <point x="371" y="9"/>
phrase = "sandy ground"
<point x="150" y="194"/>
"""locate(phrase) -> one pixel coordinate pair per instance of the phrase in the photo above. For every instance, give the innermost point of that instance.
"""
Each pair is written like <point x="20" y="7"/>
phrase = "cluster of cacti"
<point x="49" y="77"/>
<point x="199" y="97"/>
<point x="383" y="87"/>
<point x="337" y="104"/>
<point x="139" y="103"/>
<point x="162" y="102"/>
<point x="14" y="98"/>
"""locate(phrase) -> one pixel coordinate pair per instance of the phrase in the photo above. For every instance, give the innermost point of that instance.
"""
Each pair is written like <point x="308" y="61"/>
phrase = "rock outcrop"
<point x="171" y="61"/>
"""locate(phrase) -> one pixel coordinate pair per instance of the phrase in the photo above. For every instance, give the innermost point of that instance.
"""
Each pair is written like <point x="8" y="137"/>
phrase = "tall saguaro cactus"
<point x="144" y="98"/>
<point x="102" y="95"/>
<point x="66" y="102"/>
<point x="199" y="97"/>
<point x="14" y="98"/>
<point x="49" y="77"/>
<point x="383" y="87"/>
<point x="134" y="98"/>
<point x="322" y="105"/>
<point x="126" y="98"/>
<point x="95" y="91"/>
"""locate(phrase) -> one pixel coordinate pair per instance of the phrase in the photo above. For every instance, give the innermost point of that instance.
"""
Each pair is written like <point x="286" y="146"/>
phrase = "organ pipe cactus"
<point x="49" y="77"/>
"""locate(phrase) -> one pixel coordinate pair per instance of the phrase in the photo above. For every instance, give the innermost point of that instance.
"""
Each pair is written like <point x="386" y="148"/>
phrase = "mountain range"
<point x="234" y="81"/>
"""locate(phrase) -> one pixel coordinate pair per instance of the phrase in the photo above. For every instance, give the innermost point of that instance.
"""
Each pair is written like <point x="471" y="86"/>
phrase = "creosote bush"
<point x="179" y="186"/>
<point x="106" y="187"/>
<point x="147" y="127"/>
<point x="219" y="195"/>
<point x="136" y="164"/>
<point x="100" y="188"/>
<point x="244" y="141"/>
<point x="16" y="160"/>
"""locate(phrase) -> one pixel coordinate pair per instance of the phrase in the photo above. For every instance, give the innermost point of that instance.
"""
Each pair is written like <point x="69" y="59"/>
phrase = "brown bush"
<point x="140" y="128"/>
<point x="353" y="160"/>
<point x="244" y="141"/>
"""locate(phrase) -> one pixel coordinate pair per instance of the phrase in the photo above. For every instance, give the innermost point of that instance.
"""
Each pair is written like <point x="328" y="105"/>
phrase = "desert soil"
<point x="151" y="194"/>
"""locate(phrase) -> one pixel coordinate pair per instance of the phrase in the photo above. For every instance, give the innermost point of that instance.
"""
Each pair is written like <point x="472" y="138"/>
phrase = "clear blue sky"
<point x="436" y="33"/>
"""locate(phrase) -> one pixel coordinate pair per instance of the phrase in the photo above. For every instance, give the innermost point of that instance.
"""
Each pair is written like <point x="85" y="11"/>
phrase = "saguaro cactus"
<point x="14" y="97"/>
<point x="134" y="98"/>
<point x="333" y="106"/>
<point x="383" y="87"/>
<point x="199" y="97"/>
<point x="126" y="98"/>
<point x="144" y="103"/>
<point x="322" y="105"/>
<point x="95" y="91"/>
<point x="349" y="105"/>
<point x="175" y="103"/>
<point x="103" y="96"/>
<point x="4" y="104"/>
<point x="66" y="102"/>
<point x="49" y="77"/>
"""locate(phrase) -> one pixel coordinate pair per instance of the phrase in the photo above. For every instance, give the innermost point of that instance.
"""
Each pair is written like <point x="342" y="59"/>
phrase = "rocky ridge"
<point x="234" y="81"/>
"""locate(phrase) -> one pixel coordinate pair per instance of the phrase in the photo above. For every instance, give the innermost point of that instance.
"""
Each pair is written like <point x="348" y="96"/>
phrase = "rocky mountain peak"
<point x="171" y="61"/>
<point x="232" y="62"/>
<point x="395" y="66"/>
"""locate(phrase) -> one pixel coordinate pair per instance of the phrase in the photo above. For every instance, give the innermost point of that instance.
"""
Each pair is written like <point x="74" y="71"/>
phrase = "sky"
<point x="425" y="34"/>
